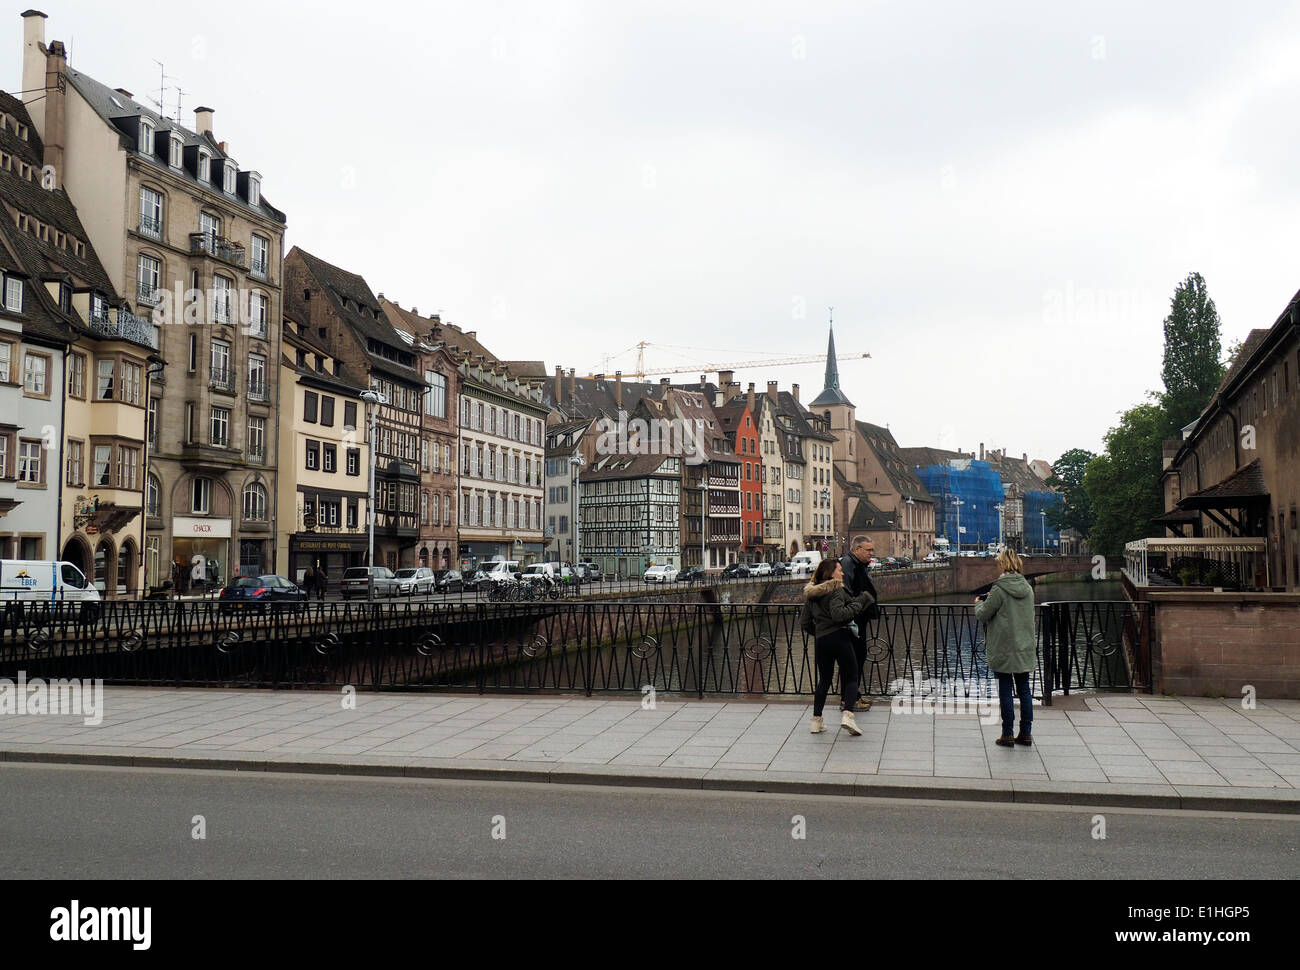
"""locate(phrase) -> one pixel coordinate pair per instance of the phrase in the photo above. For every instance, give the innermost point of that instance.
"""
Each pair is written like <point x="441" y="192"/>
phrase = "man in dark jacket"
<point x="857" y="580"/>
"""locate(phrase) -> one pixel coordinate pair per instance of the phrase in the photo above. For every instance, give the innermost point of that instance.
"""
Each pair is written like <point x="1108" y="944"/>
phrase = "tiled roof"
<point x="625" y="466"/>
<point x="902" y="475"/>
<point x="1243" y="485"/>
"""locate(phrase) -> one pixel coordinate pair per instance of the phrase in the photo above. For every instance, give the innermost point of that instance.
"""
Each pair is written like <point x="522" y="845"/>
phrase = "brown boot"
<point x="1024" y="739"/>
<point x="1006" y="741"/>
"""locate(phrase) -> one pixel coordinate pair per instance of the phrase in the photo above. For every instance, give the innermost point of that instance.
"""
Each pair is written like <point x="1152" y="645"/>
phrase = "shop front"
<point x="335" y="555"/>
<point x="202" y="548"/>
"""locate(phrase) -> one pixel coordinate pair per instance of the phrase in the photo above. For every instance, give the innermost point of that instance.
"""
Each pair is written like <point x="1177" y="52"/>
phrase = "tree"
<point x="1192" y="370"/>
<point x="1123" y="485"/>
<point x="1067" y="478"/>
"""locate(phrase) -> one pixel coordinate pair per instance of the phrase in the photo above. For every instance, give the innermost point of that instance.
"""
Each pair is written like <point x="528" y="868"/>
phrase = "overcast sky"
<point x="998" y="199"/>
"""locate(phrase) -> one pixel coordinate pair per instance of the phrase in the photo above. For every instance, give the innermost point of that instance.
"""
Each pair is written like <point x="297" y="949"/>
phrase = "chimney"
<point x="772" y="391"/>
<point x="56" y="107"/>
<point x="704" y="379"/>
<point x="618" y="389"/>
<point x="981" y="451"/>
<point x="34" y="65"/>
<point x="473" y="335"/>
<point x="573" y="385"/>
<point x="124" y="93"/>
<point x="749" y="398"/>
<point x="794" y="392"/>
<point x="663" y="386"/>
<point x="559" y="384"/>
<point x="724" y="378"/>
<point x="415" y="311"/>
<point x="1025" y="457"/>
<point x="203" y="120"/>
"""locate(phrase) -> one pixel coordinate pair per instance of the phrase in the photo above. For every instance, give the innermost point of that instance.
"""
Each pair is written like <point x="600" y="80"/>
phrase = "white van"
<point x="805" y="563"/>
<point x="502" y="569"/>
<point x="55" y="582"/>
<point x="554" y="571"/>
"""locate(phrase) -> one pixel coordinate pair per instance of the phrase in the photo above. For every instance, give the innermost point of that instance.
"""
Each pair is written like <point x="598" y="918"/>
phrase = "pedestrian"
<point x="322" y="582"/>
<point x="857" y="579"/>
<point x="828" y="610"/>
<point x="1007" y="613"/>
<point x="176" y="578"/>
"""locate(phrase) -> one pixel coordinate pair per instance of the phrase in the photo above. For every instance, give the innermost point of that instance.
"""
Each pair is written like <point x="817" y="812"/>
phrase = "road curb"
<point x="1277" y="801"/>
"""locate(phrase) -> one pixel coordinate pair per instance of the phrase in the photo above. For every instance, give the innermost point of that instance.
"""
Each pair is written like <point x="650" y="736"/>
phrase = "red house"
<point x="737" y="423"/>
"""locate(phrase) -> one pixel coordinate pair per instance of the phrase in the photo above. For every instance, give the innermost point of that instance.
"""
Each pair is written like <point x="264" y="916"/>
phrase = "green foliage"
<point x="1067" y="478"/>
<point x="1123" y="485"/>
<point x="1192" y="370"/>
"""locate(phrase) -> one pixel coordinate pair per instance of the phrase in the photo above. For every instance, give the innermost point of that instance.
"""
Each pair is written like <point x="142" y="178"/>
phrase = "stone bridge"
<point x="977" y="575"/>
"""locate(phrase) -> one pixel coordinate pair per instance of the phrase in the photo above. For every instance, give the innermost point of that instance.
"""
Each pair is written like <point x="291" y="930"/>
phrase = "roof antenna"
<point x="162" y="90"/>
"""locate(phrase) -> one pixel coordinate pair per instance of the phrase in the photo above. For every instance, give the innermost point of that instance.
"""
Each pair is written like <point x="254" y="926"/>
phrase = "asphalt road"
<point x="64" y="822"/>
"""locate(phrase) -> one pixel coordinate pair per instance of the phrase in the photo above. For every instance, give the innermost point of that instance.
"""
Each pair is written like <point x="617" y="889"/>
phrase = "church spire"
<point x="832" y="365"/>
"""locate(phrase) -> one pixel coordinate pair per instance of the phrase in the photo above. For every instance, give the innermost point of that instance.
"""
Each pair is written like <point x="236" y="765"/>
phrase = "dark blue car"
<point x="258" y="592"/>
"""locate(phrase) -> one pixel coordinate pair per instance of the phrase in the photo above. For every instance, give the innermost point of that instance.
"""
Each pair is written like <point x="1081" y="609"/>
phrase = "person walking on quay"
<point x="1008" y="617"/>
<point x="857" y="579"/>
<point x="322" y="582"/>
<point x="828" y="610"/>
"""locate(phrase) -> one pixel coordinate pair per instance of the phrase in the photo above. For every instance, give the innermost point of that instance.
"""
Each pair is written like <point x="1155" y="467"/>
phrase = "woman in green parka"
<point x="1008" y="616"/>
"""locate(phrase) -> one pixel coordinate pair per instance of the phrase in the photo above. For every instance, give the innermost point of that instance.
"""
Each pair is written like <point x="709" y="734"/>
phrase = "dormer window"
<point x="146" y="136"/>
<point x="177" y="151"/>
<point x="205" y="166"/>
<point x="254" y="190"/>
<point x="231" y="178"/>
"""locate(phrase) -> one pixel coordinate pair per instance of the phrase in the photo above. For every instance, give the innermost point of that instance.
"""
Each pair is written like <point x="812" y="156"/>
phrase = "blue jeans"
<point x="1021" y="684"/>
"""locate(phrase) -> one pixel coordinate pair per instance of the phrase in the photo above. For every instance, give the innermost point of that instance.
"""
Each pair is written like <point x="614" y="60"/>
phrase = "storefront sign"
<point x="183" y="528"/>
<point x="325" y="545"/>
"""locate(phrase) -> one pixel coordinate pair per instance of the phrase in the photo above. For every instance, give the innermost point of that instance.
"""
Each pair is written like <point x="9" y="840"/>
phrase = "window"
<point x="205" y="166"/>
<point x="153" y="497"/>
<point x="128" y="468"/>
<point x="257" y="439"/>
<point x="257" y="389"/>
<point x="146" y="137"/>
<point x="327" y="412"/>
<point x="309" y="402"/>
<point x="220" y="426"/>
<point x="354" y="461"/>
<point x="258" y="314"/>
<point x="254" y="190"/>
<point x="349" y="415"/>
<point x="221" y="289"/>
<point x="34" y="372"/>
<point x="261" y="264"/>
<point x="132" y="379"/>
<point x="29" y="462"/>
<point x="435" y="397"/>
<point x="210" y="227"/>
<point x="77" y="375"/>
<point x="201" y="496"/>
<point x="255" y="502"/>
<point x="352" y="513"/>
<point x="313" y="455"/>
<point x="148" y="270"/>
<point x="103" y="466"/>
<point x="76" y="463"/>
<point x="230" y="179"/>
<point x="176" y="157"/>
<point x="6" y="361"/>
<point x="331" y="458"/>
<point x="13" y="295"/>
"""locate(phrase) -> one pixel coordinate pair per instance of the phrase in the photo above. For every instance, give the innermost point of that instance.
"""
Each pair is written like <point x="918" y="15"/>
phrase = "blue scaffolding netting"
<point x="966" y="494"/>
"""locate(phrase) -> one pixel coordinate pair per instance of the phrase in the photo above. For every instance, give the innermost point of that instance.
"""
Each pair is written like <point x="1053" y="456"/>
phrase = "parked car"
<point x="473" y="579"/>
<point x="449" y="581"/>
<point x="592" y="571"/>
<point x="415" y="581"/>
<point x="737" y="570"/>
<point x="554" y="571"/>
<point x="780" y="569"/>
<point x="260" y="593"/>
<point x="356" y="582"/>
<point x="876" y="563"/>
<point x="507" y="570"/>
<point x="761" y="569"/>
<point x="805" y="563"/>
<point x="691" y="574"/>
<point x="661" y="574"/>
<point x="903" y="562"/>
<point x="935" y="557"/>
<point x="44" y="582"/>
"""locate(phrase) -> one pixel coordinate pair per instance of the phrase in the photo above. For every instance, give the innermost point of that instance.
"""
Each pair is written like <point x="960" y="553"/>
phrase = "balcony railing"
<point x="223" y="379"/>
<point x="206" y="244"/>
<point x="257" y="456"/>
<point x="149" y="226"/>
<point x="261" y="268"/>
<point x="258" y="390"/>
<point x="122" y="324"/>
<point x="147" y="294"/>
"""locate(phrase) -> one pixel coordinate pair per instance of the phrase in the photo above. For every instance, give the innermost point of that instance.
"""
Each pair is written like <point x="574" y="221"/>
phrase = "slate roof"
<point x="902" y="475"/>
<point x="595" y="399"/>
<point x="616" y="467"/>
<point x="1244" y="485"/>
<point x="122" y="113"/>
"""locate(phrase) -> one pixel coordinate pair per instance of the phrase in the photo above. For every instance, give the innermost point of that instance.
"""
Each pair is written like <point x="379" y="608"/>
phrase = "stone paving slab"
<point x="1104" y="750"/>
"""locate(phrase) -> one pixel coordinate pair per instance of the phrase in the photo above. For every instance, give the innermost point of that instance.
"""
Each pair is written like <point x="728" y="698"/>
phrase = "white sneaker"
<point x="849" y="724"/>
<point x="818" y="725"/>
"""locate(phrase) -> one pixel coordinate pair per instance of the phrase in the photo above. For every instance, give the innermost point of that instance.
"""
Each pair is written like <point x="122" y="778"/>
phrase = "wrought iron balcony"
<point x="146" y="294"/>
<point x="149" y="226"/>
<point x="258" y="390"/>
<point x="257" y="456"/>
<point x="206" y="244"/>
<point x="223" y="379"/>
<point x="122" y="324"/>
<point x="261" y="268"/>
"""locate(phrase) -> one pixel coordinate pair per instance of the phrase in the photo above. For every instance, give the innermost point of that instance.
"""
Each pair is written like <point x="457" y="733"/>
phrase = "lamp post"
<point x="958" y="503"/>
<point x="576" y="464"/>
<point x="704" y="512"/>
<point x="911" y="512"/>
<point x="826" y="503"/>
<point x="999" y="509"/>
<point x="1043" y="515"/>
<point x="373" y="399"/>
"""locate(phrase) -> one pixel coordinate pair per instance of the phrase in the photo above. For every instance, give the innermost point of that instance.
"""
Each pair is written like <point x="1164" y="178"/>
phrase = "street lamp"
<point x="1043" y="515"/>
<point x="576" y="464"/>
<point x="826" y="502"/>
<point x="958" y="503"/>
<point x="999" y="509"/>
<point x="911" y="511"/>
<point x="374" y="399"/>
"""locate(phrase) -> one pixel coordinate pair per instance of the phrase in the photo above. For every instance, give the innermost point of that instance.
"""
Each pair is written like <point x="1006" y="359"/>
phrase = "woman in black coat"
<point x="829" y="609"/>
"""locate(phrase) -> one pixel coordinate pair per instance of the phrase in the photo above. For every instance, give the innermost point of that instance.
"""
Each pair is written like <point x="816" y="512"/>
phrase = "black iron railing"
<point x="584" y="646"/>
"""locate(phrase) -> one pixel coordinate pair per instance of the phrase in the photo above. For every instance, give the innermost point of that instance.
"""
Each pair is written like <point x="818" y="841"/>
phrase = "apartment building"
<point x="631" y="513"/>
<point x="190" y="238"/>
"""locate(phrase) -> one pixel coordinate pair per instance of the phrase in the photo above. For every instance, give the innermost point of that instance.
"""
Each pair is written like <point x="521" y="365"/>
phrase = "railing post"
<point x="1049" y="671"/>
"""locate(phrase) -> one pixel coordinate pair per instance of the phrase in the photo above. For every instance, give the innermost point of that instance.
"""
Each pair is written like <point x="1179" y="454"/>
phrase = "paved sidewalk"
<point x="1122" y="750"/>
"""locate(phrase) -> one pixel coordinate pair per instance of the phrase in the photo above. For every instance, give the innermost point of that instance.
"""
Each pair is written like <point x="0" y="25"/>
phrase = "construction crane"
<point x="641" y="372"/>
